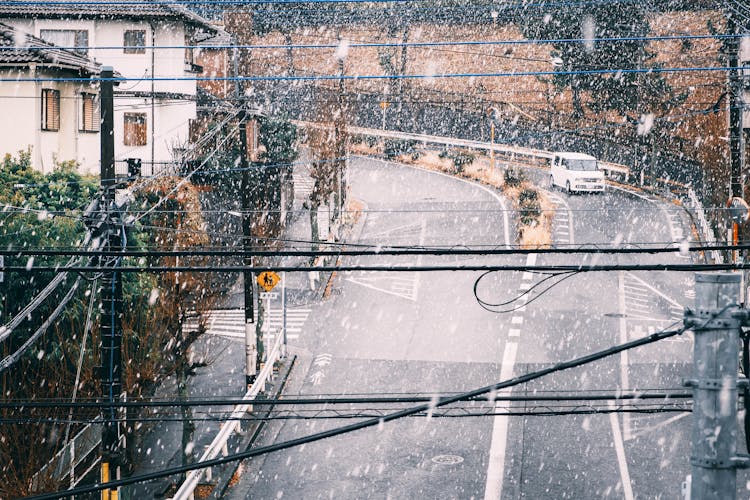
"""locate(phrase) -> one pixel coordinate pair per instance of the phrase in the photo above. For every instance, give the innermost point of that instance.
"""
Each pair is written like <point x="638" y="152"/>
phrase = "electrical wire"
<point x="374" y="413"/>
<point x="565" y="268"/>
<point x="375" y="251"/>
<point x="378" y="421"/>
<point x="493" y="307"/>
<point x="357" y="45"/>
<point x="348" y="399"/>
<point x="341" y="77"/>
<point x="11" y="359"/>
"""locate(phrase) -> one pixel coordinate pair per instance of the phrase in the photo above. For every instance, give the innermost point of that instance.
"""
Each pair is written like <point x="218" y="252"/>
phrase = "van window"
<point x="583" y="165"/>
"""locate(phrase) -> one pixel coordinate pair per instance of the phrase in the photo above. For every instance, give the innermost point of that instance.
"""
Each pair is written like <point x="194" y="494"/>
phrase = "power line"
<point x="376" y="251"/>
<point x="337" y="400"/>
<point x="509" y="74"/>
<point x="355" y="45"/>
<point x="373" y="422"/>
<point x="459" y="412"/>
<point x="582" y="267"/>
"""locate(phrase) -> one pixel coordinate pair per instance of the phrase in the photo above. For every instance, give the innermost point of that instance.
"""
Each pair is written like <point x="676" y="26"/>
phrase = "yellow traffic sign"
<point x="268" y="279"/>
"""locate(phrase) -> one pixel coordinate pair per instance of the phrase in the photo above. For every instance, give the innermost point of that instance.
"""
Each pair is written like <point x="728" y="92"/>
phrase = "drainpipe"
<point x="37" y="153"/>
<point x="153" y="94"/>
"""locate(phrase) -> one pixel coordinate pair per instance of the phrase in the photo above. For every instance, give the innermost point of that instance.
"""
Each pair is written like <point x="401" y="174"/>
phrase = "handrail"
<point x="219" y="444"/>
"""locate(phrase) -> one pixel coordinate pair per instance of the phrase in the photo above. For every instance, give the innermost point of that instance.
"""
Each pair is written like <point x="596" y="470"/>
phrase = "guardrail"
<point x="514" y="152"/>
<point x="73" y="459"/>
<point x="703" y="226"/>
<point x="219" y="444"/>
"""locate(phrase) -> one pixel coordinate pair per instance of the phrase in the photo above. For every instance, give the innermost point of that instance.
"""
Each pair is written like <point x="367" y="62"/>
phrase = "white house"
<point x="57" y="119"/>
<point x="141" y="40"/>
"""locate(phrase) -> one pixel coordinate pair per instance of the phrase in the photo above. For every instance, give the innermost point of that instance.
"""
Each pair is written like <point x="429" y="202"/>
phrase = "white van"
<point x="576" y="172"/>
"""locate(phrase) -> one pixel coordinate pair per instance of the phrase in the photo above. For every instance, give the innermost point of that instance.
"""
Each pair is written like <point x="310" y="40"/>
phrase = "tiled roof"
<point x="88" y="9"/>
<point x="37" y="51"/>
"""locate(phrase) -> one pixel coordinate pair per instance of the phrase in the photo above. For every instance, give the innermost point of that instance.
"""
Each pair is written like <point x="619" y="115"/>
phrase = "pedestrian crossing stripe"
<point x="231" y="322"/>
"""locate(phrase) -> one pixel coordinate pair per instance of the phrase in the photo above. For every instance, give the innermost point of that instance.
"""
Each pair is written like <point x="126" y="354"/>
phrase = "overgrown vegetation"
<point x="513" y="177"/>
<point x="393" y="148"/>
<point x="46" y="213"/>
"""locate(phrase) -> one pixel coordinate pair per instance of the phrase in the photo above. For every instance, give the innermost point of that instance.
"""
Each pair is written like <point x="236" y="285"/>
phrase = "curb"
<point x="226" y="473"/>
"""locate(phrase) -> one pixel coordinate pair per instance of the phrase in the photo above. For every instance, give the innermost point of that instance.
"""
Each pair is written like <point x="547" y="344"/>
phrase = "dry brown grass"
<point x="432" y="161"/>
<point x="203" y="491"/>
<point x="354" y="210"/>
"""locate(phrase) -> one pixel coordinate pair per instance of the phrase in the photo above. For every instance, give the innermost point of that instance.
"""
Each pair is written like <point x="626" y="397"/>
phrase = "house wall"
<point x="21" y="127"/>
<point x="168" y="119"/>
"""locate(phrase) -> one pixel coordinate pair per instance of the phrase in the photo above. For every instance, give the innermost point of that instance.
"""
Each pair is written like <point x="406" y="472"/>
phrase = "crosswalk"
<point x="231" y="322"/>
<point x="303" y="184"/>
<point x="562" y="229"/>
<point x="400" y="284"/>
<point x="642" y="301"/>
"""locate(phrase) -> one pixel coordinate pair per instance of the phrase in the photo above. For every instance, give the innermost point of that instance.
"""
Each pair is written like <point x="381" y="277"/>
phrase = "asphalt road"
<point x="405" y="333"/>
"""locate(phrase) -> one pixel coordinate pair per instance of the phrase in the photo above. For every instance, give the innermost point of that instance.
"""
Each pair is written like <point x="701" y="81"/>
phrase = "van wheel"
<point x="551" y="183"/>
<point x="567" y="187"/>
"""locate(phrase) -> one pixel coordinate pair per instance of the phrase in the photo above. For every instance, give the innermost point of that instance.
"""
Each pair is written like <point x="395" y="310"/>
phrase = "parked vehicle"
<point x="576" y="172"/>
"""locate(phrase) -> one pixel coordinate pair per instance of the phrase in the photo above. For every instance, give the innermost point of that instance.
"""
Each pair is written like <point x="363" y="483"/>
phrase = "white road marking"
<point x="525" y="286"/>
<point x="675" y="227"/>
<point x="517" y="320"/>
<point x="663" y="423"/>
<point x="624" y="375"/>
<point x="499" y="444"/>
<point x="562" y="222"/>
<point x="496" y="463"/>
<point x="627" y="487"/>
<point x="506" y="221"/>
<point x="230" y="323"/>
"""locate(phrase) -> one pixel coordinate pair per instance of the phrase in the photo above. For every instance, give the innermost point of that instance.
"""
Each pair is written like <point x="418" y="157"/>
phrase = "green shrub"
<point x="371" y="141"/>
<point x="513" y="177"/>
<point x="530" y="207"/>
<point x="528" y="196"/>
<point x="395" y="148"/>
<point x="461" y="159"/>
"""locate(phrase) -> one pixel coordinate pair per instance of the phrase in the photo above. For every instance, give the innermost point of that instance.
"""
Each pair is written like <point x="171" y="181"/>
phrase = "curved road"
<point x="405" y="333"/>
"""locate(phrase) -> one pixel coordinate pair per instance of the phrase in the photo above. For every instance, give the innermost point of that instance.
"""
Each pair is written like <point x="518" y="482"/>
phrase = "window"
<point x="50" y="109"/>
<point x="89" y="113"/>
<point x="68" y="38"/>
<point x="134" y="41"/>
<point x="136" y="133"/>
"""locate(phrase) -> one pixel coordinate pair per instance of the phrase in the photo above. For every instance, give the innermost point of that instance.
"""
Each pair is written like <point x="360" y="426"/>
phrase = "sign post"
<point x="738" y="211"/>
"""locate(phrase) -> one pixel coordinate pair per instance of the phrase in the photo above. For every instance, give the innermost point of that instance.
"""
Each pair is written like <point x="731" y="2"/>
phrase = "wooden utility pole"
<point x="111" y="329"/>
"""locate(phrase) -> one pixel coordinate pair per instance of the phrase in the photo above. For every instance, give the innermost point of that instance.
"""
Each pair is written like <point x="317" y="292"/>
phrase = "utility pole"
<point x="111" y="329"/>
<point x="716" y="326"/>
<point x="251" y="351"/>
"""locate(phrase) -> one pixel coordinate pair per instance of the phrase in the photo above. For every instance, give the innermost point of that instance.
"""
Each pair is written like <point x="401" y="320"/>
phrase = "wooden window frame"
<point x="128" y="45"/>
<point x="80" y="39"/>
<point x="91" y="125"/>
<point x="131" y="135"/>
<point x="50" y="124"/>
